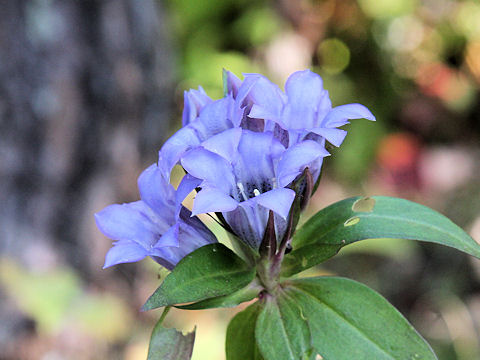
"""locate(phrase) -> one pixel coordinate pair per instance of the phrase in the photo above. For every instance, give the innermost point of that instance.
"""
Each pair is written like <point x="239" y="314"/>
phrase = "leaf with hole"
<point x="356" y="219"/>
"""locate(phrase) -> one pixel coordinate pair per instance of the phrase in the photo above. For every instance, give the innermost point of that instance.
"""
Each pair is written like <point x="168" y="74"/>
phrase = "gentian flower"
<point x="308" y="110"/>
<point x="305" y="112"/>
<point x="248" y="155"/>
<point x="243" y="152"/>
<point x="212" y="119"/>
<point x="154" y="226"/>
<point x="244" y="174"/>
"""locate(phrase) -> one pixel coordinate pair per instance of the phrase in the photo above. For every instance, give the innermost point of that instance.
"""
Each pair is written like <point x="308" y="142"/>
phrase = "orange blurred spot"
<point x="398" y="151"/>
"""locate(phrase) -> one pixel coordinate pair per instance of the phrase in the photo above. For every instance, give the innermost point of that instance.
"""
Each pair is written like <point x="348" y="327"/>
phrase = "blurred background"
<point x="89" y="91"/>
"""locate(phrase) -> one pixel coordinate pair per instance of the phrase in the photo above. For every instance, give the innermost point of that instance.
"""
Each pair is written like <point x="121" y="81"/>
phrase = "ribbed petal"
<point x="130" y="222"/>
<point x="212" y="200"/>
<point x="338" y="115"/>
<point x="248" y="223"/>
<point x="304" y="88"/>
<point x="155" y="190"/>
<point x="257" y="155"/>
<point x="173" y="149"/>
<point x="124" y="252"/>
<point x="296" y="159"/>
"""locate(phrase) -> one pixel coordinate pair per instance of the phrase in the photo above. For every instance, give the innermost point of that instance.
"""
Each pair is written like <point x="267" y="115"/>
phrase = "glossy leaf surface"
<point x="334" y="319"/>
<point x="358" y="218"/>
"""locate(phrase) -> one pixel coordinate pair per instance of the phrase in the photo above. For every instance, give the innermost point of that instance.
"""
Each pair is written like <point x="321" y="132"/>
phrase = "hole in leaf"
<point x="365" y="204"/>
<point x="352" y="221"/>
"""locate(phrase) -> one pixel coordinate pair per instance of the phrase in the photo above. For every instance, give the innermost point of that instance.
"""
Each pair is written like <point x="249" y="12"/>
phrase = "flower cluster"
<point x="248" y="156"/>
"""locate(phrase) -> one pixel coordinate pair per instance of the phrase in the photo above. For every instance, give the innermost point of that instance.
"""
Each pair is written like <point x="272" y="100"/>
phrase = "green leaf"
<point x="170" y="344"/>
<point x="348" y="321"/>
<point x="307" y="256"/>
<point x="359" y="218"/>
<point x="210" y="271"/>
<point x="281" y="331"/>
<point x="240" y="341"/>
<point x="231" y="300"/>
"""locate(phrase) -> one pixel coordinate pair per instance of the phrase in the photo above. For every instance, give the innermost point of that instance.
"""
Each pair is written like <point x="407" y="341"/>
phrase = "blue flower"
<point x="308" y="110"/>
<point x="212" y="119"/>
<point x="243" y="152"/>
<point x="244" y="174"/>
<point x="155" y="226"/>
<point x="244" y="155"/>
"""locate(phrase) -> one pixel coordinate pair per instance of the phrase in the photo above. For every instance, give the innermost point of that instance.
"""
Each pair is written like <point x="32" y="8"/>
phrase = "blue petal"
<point x="224" y="144"/>
<point x="338" y="115"/>
<point x="185" y="187"/>
<point x="258" y="152"/>
<point x="132" y="222"/>
<point x="278" y="200"/>
<point x="296" y="159"/>
<point x="212" y="200"/>
<point x="259" y="112"/>
<point x="124" y="252"/>
<point x="156" y="191"/>
<point x="214" y="118"/>
<point x="169" y="238"/>
<point x="210" y="167"/>
<point x="175" y="147"/>
<point x="233" y="82"/>
<point x="194" y="101"/>
<point x="304" y="90"/>
<point x="334" y="136"/>
<point x="257" y="89"/>
<point x="191" y="225"/>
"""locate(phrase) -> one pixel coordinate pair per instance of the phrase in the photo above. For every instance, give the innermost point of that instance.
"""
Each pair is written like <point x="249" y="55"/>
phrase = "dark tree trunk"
<point x="86" y="91"/>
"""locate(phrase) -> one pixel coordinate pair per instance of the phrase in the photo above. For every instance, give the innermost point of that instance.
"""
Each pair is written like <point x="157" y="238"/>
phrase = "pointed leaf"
<point x="240" y="342"/>
<point x="210" y="271"/>
<point x="231" y="300"/>
<point x="281" y="331"/>
<point x="377" y="217"/>
<point x="307" y="256"/>
<point x="348" y="321"/>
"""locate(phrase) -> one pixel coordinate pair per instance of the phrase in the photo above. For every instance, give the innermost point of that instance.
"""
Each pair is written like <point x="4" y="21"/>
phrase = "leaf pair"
<point x="324" y="318"/>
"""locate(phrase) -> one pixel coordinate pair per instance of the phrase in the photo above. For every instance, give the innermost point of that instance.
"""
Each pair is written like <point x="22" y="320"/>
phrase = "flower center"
<point x="249" y="190"/>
